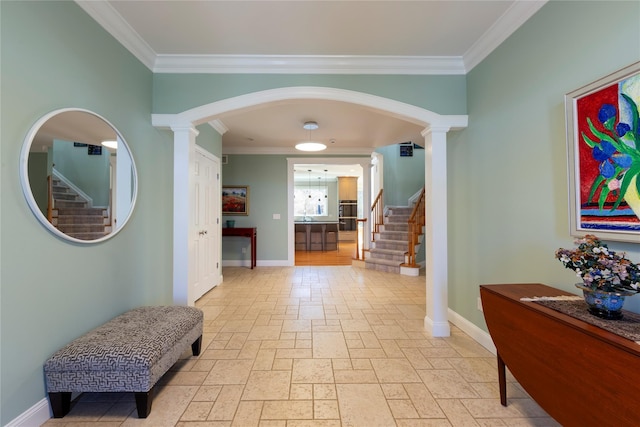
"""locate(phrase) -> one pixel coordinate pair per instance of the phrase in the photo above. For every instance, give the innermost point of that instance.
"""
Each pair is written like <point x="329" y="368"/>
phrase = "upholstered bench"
<point x="127" y="354"/>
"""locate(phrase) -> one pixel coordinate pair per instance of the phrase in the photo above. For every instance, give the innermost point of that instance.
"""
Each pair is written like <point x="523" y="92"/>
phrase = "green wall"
<point x="403" y="176"/>
<point x="173" y="93"/>
<point x="508" y="200"/>
<point x="266" y="177"/>
<point x="209" y="140"/>
<point x="55" y="56"/>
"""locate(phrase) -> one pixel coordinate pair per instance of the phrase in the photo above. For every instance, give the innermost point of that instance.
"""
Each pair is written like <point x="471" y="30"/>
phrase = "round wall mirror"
<point x="78" y="175"/>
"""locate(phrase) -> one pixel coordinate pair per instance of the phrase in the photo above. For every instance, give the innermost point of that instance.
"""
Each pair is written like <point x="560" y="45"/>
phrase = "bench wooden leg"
<point x="195" y="347"/>
<point x="143" y="403"/>
<point x="60" y="403"/>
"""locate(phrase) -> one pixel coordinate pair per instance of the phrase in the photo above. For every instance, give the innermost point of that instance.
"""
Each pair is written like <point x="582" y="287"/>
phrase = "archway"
<point x="436" y="128"/>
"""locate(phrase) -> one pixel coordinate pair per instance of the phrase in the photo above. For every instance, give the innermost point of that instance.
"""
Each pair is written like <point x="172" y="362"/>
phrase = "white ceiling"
<point x="311" y="37"/>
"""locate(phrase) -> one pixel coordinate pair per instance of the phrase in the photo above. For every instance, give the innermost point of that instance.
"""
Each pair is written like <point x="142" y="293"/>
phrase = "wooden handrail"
<point x="358" y="221"/>
<point x="377" y="215"/>
<point x="49" y="199"/>
<point x="416" y="222"/>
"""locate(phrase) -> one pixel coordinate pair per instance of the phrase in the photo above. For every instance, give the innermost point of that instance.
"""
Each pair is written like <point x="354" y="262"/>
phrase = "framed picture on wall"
<point x="235" y="200"/>
<point x="603" y="145"/>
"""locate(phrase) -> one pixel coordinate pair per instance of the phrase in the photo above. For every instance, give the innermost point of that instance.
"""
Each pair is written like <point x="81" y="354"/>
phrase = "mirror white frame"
<point x="123" y="148"/>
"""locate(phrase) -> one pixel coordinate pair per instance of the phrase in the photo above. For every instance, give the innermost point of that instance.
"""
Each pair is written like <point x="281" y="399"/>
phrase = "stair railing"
<point x="377" y="214"/>
<point x="49" y="199"/>
<point x="416" y="223"/>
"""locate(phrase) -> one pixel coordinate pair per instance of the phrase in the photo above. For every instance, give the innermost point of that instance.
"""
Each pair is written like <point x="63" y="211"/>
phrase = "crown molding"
<point x="218" y="126"/>
<point x="509" y="22"/>
<point x="103" y="13"/>
<point x="308" y="64"/>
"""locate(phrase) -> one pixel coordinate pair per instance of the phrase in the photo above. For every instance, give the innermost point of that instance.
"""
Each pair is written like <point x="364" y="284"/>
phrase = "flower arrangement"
<point x="618" y="151"/>
<point x="600" y="268"/>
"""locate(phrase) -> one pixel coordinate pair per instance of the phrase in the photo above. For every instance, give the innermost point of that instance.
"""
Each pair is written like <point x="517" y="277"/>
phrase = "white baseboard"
<point x="437" y="329"/>
<point x="259" y="263"/>
<point x="482" y="337"/>
<point x="35" y="416"/>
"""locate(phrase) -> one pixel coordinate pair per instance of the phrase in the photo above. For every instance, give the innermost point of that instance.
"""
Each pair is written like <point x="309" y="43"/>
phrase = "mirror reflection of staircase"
<point x="73" y="216"/>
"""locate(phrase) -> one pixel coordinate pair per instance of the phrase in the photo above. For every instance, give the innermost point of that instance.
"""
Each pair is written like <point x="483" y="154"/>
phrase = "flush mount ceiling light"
<point x="309" y="145"/>
<point x="310" y="125"/>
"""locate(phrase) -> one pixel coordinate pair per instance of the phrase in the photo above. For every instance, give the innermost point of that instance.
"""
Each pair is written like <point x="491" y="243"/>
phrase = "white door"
<point x="204" y="231"/>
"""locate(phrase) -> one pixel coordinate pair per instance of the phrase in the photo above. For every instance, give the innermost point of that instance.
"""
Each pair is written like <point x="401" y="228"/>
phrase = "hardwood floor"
<point x="344" y="256"/>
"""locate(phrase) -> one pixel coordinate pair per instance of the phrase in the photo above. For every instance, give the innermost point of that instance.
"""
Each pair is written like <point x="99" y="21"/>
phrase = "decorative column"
<point x="184" y="142"/>
<point x="366" y="204"/>
<point x="436" y="320"/>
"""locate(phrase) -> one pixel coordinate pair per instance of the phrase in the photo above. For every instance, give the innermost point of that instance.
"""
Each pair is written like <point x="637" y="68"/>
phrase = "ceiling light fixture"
<point x="310" y="145"/>
<point x="110" y="144"/>
<point x="326" y="185"/>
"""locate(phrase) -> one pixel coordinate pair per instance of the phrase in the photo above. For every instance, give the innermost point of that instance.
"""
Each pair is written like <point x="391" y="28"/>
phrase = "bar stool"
<point x="331" y="237"/>
<point x="301" y="237"/>
<point x="316" y="241"/>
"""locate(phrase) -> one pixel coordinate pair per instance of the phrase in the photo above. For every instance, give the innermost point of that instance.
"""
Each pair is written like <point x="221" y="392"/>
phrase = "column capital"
<point x="435" y="128"/>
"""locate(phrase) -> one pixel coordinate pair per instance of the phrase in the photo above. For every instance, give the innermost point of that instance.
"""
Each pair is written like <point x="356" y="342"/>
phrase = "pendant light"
<point x="309" y="145"/>
<point x="309" y="183"/>
<point x="326" y="184"/>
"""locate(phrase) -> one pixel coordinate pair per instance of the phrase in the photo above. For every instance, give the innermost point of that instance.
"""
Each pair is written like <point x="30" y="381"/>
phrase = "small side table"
<point x="249" y="232"/>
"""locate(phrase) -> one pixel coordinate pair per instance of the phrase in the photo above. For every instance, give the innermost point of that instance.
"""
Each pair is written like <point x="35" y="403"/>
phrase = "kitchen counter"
<point x="316" y="235"/>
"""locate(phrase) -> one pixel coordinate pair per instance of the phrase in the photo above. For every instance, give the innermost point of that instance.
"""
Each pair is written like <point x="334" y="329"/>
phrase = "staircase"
<point x="72" y="215"/>
<point x="389" y="249"/>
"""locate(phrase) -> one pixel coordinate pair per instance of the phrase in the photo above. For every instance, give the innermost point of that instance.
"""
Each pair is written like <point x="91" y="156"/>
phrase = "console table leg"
<point x="502" y="381"/>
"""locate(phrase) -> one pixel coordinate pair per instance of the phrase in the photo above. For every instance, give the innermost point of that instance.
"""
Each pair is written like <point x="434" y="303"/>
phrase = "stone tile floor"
<point x="320" y="347"/>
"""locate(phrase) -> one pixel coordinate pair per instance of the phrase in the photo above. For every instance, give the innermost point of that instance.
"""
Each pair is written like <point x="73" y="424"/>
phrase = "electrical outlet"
<point x="479" y="304"/>
<point x="244" y="250"/>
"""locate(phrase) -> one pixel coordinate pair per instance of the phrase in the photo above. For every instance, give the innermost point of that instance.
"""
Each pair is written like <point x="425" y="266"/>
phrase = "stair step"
<point x="397" y="245"/>
<point x="87" y="236"/>
<point x="387" y="254"/>
<point x="383" y="265"/>
<point x="400" y="210"/>
<point x="63" y="196"/>
<point x="394" y="235"/>
<point x="70" y="204"/>
<point x="62" y="211"/>
<point x="81" y="219"/>
<point x="396" y="219"/>
<point x="81" y="228"/>
<point x="395" y="227"/>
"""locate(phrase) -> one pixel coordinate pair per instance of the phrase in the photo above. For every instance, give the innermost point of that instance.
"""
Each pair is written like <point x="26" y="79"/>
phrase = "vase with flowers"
<point x="607" y="277"/>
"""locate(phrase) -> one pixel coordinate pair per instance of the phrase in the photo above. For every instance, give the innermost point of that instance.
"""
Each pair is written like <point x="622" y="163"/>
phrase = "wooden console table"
<point x="579" y="373"/>
<point x="250" y="232"/>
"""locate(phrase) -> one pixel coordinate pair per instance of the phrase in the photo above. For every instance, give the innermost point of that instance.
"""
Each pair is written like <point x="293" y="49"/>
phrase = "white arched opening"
<point x="436" y="128"/>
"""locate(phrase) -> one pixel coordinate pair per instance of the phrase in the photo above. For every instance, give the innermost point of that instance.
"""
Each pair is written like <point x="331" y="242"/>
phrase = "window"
<point x="310" y="202"/>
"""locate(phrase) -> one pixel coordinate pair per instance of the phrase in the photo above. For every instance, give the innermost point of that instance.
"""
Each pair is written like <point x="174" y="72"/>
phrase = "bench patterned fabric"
<point x="129" y="353"/>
